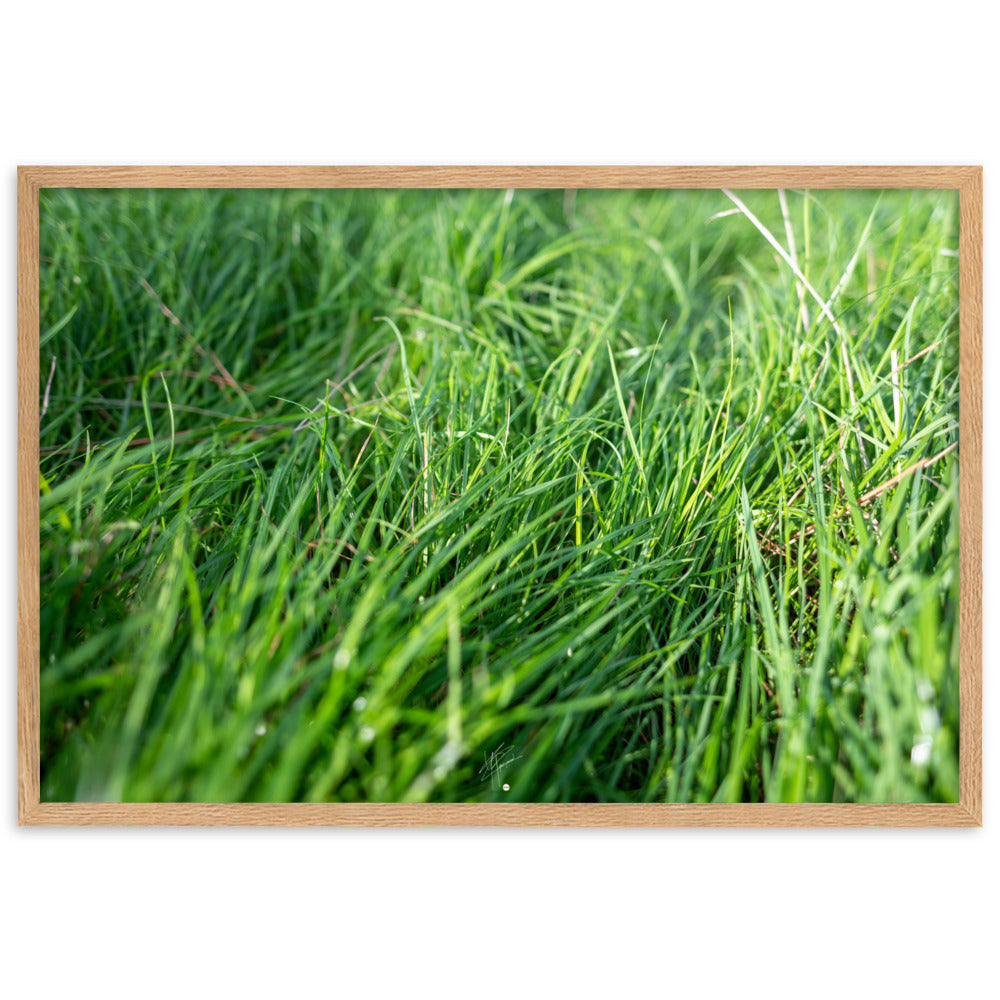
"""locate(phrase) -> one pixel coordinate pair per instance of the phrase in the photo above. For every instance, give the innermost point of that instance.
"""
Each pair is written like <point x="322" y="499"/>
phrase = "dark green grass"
<point x="351" y="495"/>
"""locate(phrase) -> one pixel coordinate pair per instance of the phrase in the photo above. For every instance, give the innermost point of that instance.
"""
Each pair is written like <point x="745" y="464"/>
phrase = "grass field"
<point x="499" y="496"/>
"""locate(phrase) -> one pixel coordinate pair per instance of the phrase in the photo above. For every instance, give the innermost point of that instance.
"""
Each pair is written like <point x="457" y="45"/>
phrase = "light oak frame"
<point x="966" y="812"/>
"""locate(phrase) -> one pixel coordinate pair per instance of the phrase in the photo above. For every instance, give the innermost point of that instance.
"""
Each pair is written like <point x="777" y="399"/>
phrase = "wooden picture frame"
<point x="966" y="812"/>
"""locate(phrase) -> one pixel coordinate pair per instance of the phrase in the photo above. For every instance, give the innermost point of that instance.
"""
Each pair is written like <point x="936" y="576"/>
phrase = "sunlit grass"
<point x="401" y="495"/>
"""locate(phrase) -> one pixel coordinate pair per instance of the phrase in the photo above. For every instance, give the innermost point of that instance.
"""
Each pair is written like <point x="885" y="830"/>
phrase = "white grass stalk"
<point x="48" y="387"/>
<point x="824" y="307"/>
<point x="790" y="236"/>
<point x="896" y="407"/>
<point x="722" y="215"/>
<point x="871" y="282"/>
<point x="783" y="253"/>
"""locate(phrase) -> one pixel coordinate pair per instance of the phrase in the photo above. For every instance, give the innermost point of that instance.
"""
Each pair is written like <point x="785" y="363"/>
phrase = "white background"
<point x="239" y="913"/>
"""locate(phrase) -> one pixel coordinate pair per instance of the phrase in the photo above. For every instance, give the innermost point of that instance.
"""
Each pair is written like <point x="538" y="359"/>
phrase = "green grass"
<point x="349" y="495"/>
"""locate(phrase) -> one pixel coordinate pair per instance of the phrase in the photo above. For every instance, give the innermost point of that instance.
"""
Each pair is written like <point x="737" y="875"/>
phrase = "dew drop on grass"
<point x="366" y="734"/>
<point x="506" y="788"/>
<point x="342" y="659"/>
<point x="569" y="652"/>
<point x="260" y="730"/>
<point x="359" y="703"/>
<point x="921" y="752"/>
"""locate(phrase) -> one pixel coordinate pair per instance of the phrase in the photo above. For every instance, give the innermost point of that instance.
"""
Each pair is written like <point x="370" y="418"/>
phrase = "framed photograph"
<point x="573" y="496"/>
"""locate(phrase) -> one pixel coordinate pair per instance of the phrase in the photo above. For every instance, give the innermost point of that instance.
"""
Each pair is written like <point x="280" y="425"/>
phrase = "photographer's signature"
<point x="495" y="762"/>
